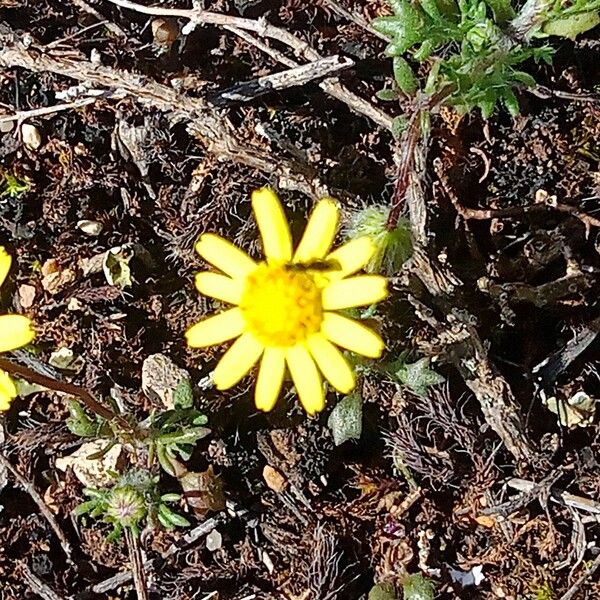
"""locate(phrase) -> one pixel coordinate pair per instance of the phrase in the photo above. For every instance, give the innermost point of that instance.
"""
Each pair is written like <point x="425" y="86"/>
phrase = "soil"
<point x="430" y="487"/>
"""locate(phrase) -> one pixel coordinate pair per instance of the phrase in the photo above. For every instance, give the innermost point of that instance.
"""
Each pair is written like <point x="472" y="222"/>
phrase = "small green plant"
<point x="174" y="433"/>
<point x="133" y="501"/>
<point x="542" y="591"/>
<point x="469" y="53"/>
<point x="12" y="186"/>
<point x="417" y="587"/>
<point x="469" y="59"/>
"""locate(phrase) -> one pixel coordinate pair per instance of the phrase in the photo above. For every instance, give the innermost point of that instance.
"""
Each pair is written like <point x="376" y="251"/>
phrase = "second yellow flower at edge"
<point x="285" y="311"/>
<point x="15" y="332"/>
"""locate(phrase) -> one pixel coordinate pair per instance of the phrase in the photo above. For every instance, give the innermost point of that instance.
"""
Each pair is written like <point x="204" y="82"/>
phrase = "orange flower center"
<point x="281" y="304"/>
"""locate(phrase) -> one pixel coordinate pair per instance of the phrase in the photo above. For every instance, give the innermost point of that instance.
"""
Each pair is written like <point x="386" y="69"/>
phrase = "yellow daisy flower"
<point x="285" y="307"/>
<point x="15" y="332"/>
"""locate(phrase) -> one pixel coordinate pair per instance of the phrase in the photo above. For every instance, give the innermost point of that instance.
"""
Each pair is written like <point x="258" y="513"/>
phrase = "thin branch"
<point x="137" y="565"/>
<point x="296" y="76"/>
<point x="35" y="496"/>
<point x="301" y="48"/>
<point x="36" y="585"/>
<point x="337" y="8"/>
<point x="112" y="27"/>
<point x="189" y="538"/>
<point x="214" y="130"/>
<point x="24" y="115"/>
<point x="557" y="495"/>
<point x="66" y="388"/>
<point x="482" y="214"/>
<point x="576" y="587"/>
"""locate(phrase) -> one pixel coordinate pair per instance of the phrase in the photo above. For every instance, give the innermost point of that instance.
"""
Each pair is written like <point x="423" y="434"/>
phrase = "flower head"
<point x="126" y="506"/>
<point x="285" y="311"/>
<point x="15" y="332"/>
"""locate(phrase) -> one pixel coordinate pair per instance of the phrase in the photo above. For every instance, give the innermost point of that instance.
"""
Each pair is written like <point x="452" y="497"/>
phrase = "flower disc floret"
<point x="284" y="313"/>
<point x="281" y="307"/>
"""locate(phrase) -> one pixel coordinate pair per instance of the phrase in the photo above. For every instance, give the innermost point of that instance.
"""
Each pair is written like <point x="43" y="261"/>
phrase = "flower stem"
<point x="66" y="388"/>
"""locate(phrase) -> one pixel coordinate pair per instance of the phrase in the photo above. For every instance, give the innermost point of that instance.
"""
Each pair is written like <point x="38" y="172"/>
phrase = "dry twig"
<point x="576" y="587"/>
<point x="249" y="90"/>
<point x="124" y="578"/>
<point x="137" y="565"/>
<point x="36" y="585"/>
<point x="66" y="388"/>
<point x="35" y="496"/>
<point x="301" y="48"/>
<point x="215" y="131"/>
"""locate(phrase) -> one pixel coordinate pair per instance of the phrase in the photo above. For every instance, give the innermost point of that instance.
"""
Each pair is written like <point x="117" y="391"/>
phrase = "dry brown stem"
<point x="264" y="29"/>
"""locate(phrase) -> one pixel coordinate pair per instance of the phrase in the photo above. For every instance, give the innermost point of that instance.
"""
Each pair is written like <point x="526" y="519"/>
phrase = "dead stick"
<point x="301" y="75"/>
<point x="576" y="587"/>
<point x="137" y="565"/>
<point x="189" y="538"/>
<point x="265" y="29"/>
<point x="36" y="585"/>
<point x="214" y="130"/>
<point x="23" y="115"/>
<point x="35" y="496"/>
<point x="66" y="388"/>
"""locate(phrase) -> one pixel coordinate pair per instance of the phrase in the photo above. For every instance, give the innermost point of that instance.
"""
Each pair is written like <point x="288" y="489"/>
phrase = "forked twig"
<point x="66" y="388"/>
<point x="261" y="27"/>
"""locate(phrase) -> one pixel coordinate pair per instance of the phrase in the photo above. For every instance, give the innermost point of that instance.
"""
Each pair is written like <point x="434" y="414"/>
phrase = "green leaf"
<point x="417" y="587"/>
<point x="85" y="507"/>
<point x="510" y="101"/>
<point x="502" y="9"/>
<point x="183" y="396"/>
<point x="345" y="420"/>
<point x="524" y="78"/>
<point x="418" y="376"/>
<point x="431" y="8"/>
<point x="573" y="25"/>
<point x="387" y="95"/>
<point x="487" y="107"/>
<point x="404" y="75"/>
<point x="424" y="51"/>
<point x="170" y="497"/>
<point x="171" y="517"/>
<point x="383" y="591"/>
<point x="399" y="125"/>
<point x="388" y="26"/>
<point x="164" y="459"/>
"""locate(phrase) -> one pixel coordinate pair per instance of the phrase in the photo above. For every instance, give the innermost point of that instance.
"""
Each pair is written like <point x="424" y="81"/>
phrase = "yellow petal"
<point x="333" y="365"/>
<point x="216" y="330"/>
<point x="352" y="335"/>
<point x="319" y="233"/>
<point x="237" y="361"/>
<point x="273" y="226"/>
<point x="352" y="256"/>
<point x="306" y="378"/>
<point x="7" y="390"/>
<point x="5" y="262"/>
<point x="15" y="331"/>
<point x="270" y="378"/>
<point x="355" y="291"/>
<point x="220" y="286"/>
<point x="223" y="255"/>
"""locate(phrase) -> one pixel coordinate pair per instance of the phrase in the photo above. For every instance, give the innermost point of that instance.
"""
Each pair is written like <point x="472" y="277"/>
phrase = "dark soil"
<point x="346" y="517"/>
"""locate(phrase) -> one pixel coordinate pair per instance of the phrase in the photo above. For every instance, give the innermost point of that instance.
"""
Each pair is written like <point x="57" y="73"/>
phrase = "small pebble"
<point x="214" y="541"/>
<point x="31" y="136"/>
<point x="90" y="227"/>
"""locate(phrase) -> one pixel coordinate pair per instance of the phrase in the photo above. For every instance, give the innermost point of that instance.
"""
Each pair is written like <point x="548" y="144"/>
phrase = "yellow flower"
<point x="15" y="332"/>
<point x="285" y="307"/>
